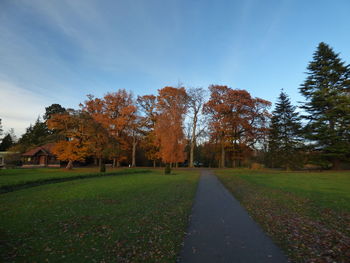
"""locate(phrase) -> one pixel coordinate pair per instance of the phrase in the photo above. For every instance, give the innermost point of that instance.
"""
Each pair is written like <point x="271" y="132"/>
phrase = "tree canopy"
<point x="327" y="106"/>
<point x="284" y="136"/>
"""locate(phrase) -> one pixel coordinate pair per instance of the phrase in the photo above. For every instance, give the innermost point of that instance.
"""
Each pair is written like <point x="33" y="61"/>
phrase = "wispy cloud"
<point x="19" y="107"/>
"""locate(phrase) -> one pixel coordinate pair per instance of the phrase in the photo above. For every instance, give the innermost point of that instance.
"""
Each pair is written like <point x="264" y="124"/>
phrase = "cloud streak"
<point x="19" y="107"/>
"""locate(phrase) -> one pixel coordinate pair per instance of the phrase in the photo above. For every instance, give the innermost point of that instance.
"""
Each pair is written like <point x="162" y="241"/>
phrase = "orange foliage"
<point x="237" y="120"/>
<point x="171" y="109"/>
<point x="72" y="150"/>
<point x="72" y="125"/>
<point x="148" y="105"/>
<point x="116" y="113"/>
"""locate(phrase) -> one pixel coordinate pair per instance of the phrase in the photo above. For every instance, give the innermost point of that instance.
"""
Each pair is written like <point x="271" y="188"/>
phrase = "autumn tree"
<point x="171" y="110"/>
<point x="98" y="140"/>
<point x="147" y="105"/>
<point x="214" y="109"/>
<point x="115" y="111"/>
<point x="72" y="125"/>
<point x="134" y="132"/>
<point x="238" y="122"/>
<point x="195" y="102"/>
<point x="327" y="106"/>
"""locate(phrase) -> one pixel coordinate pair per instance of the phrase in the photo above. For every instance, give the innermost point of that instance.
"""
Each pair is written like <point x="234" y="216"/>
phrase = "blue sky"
<point x="58" y="51"/>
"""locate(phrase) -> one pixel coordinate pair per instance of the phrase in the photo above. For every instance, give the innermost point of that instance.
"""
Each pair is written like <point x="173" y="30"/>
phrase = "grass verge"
<point x="127" y="218"/>
<point x="305" y="213"/>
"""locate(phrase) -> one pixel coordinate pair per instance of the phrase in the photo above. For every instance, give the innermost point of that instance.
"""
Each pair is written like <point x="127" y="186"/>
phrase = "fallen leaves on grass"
<point x="307" y="233"/>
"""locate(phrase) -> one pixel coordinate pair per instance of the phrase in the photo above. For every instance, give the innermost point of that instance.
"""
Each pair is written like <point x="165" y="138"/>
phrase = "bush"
<point x="256" y="166"/>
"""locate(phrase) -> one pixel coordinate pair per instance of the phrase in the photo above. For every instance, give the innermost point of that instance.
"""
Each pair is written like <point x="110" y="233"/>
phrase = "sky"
<point x="58" y="51"/>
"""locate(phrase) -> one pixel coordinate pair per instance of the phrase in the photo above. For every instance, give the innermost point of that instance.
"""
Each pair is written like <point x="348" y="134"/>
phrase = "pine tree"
<point x="53" y="109"/>
<point x="36" y="134"/>
<point x="1" y="130"/>
<point x="284" y="136"/>
<point x="326" y="90"/>
<point x="6" y="143"/>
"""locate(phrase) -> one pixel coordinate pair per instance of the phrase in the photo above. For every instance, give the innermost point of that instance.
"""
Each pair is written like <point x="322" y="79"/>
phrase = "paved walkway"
<point x="222" y="231"/>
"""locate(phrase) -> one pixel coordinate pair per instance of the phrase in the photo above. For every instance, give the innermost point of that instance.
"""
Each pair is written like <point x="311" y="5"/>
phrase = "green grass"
<point x="12" y="179"/>
<point x="326" y="189"/>
<point x="306" y="214"/>
<point x="126" y="218"/>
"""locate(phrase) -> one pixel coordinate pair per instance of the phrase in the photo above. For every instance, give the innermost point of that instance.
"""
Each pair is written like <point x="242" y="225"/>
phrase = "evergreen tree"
<point x="53" y="109"/>
<point x="284" y="136"/>
<point x="1" y="130"/>
<point x="326" y="90"/>
<point x="6" y="143"/>
<point x="11" y="131"/>
<point x="36" y="134"/>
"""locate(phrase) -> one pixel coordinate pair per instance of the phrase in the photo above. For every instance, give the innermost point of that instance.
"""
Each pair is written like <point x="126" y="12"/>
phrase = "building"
<point x="40" y="156"/>
<point x="2" y="158"/>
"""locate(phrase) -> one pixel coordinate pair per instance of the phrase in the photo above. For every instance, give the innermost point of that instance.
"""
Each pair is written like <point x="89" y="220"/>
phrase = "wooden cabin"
<point x="40" y="156"/>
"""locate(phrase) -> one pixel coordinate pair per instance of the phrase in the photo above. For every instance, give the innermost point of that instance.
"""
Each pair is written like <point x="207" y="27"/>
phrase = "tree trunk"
<point x="118" y="164"/>
<point x="234" y="163"/>
<point x="113" y="165"/>
<point x="335" y="164"/>
<point x="222" y="165"/>
<point x="154" y="163"/>
<point x="176" y="165"/>
<point x="134" y="143"/>
<point x="102" y="165"/>
<point x="191" y="165"/>
<point x="69" y="165"/>
<point x="193" y="140"/>
<point x="95" y="161"/>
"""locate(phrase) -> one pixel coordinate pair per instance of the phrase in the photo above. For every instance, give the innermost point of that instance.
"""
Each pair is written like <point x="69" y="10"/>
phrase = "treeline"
<point x="216" y="127"/>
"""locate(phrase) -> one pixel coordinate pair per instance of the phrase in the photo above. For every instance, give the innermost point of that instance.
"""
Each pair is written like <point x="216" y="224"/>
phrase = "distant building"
<point x="41" y="156"/>
<point x="2" y="159"/>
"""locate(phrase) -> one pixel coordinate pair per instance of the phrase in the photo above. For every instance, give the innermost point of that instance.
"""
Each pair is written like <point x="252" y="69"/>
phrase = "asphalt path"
<point x="221" y="230"/>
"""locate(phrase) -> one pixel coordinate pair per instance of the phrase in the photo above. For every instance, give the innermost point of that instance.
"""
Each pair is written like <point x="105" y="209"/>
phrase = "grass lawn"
<point x="307" y="214"/>
<point x="326" y="189"/>
<point x="127" y="218"/>
<point x="14" y="178"/>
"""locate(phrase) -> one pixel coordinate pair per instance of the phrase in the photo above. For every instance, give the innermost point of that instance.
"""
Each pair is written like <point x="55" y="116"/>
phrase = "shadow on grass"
<point x="15" y="187"/>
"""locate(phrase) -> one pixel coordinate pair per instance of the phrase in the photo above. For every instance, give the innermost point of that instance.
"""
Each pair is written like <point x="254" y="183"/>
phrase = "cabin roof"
<point x="46" y="149"/>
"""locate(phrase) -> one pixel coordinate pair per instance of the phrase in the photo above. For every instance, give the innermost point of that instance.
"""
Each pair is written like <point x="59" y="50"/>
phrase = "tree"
<point x="53" y="109"/>
<point x="147" y="105"/>
<point x="115" y="111"/>
<point x="73" y="126"/>
<point x="1" y="130"/>
<point x="39" y="133"/>
<point x="36" y="134"/>
<point x="237" y="122"/>
<point x="284" y="135"/>
<point x="171" y="109"/>
<point x="12" y="133"/>
<point x="6" y="143"/>
<point x="196" y="97"/>
<point x="97" y="140"/>
<point x="327" y="106"/>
